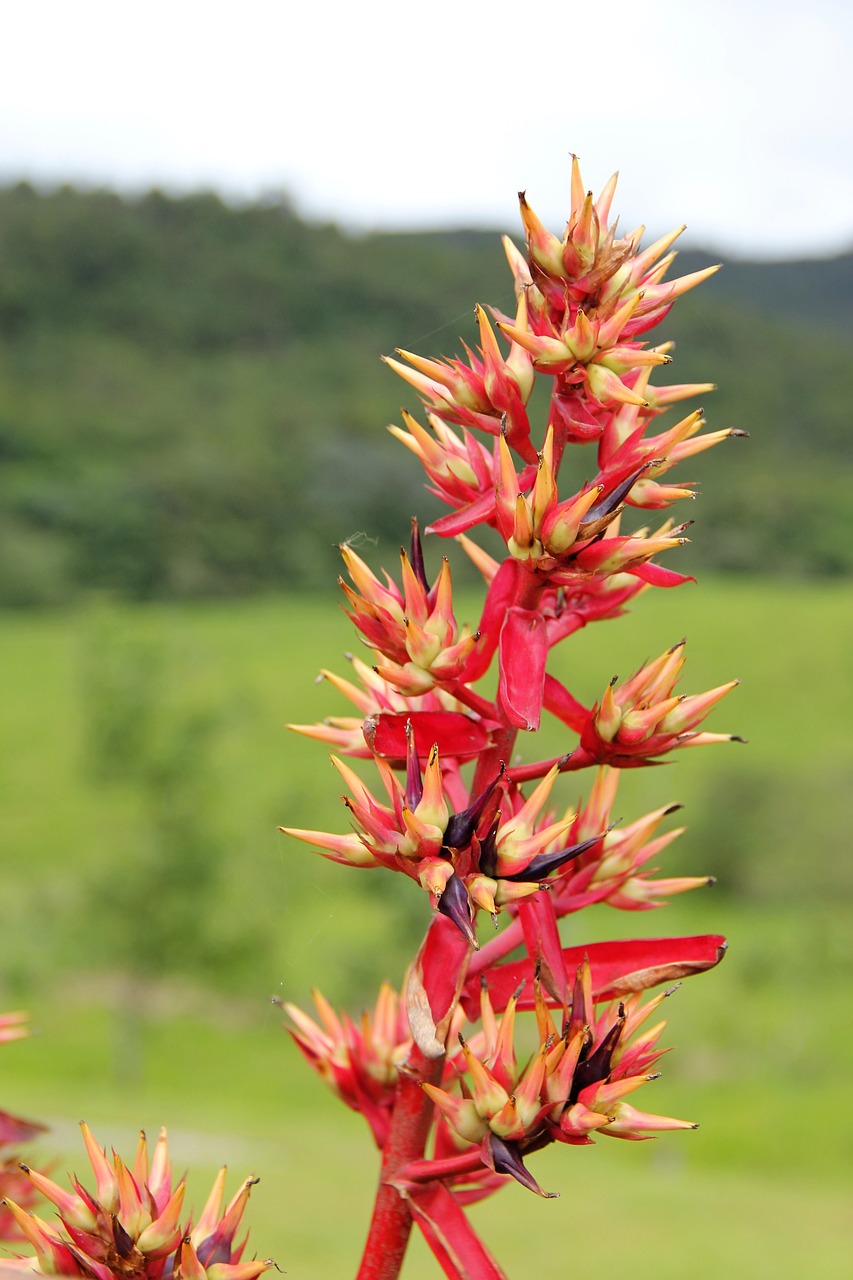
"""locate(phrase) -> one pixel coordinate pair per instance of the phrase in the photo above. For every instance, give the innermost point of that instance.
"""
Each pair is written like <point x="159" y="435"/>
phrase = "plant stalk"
<point x="391" y="1223"/>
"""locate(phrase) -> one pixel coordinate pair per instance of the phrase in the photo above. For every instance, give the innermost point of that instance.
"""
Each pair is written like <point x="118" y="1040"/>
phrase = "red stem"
<point x="531" y="586"/>
<point x="411" y="1119"/>
<point x="450" y="1167"/>
<point x="537" y="769"/>
<point x="391" y="1224"/>
<point x="489" y="763"/>
<point x="472" y="700"/>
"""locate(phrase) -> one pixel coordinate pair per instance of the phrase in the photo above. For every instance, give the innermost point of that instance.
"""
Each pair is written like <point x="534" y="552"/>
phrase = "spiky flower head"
<point x="488" y="855"/>
<point x="359" y="1061"/>
<point x="413" y="629"/>
<point x="573" y="1085"/>
<point x="616" y="869"/>
<point x="490" y="393"/>
<point x="635" y="721"/>
<point x="583" y="303"/>
<point x="131" y="1226"/>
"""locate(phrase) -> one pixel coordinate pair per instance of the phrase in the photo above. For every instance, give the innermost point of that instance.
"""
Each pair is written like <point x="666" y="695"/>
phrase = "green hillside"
<point x="192" y="402"/>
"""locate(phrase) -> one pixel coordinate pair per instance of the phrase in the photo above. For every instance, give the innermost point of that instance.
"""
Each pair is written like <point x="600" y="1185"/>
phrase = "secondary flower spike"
<point x="489" y="394"/>
<point x="359" y="1061"/>
<point x="133" y="1224"/>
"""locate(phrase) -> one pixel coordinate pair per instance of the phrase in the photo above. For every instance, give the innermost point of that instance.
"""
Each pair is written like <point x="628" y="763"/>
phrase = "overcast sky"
<point x="736" y="118"/>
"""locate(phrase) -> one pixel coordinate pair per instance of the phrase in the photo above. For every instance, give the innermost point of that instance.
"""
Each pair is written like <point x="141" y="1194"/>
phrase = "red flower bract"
<point x="461" y="812"/>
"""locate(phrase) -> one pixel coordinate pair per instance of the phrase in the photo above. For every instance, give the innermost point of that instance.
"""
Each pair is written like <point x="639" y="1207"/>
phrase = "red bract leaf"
<point x="456" y="734"/>
<point x="523" y="652"/>
<point x="502" y="593"/>
<point x="433" y="984"/>
<point x="657" y="576"/>
<point x="473" y="513"/>
<point x="563" y="705"/>
<point x="618" y="968"/>
<point x="455" y="1244"/>
<point x="15" y="1130"/>
<point x="542" y="940"/>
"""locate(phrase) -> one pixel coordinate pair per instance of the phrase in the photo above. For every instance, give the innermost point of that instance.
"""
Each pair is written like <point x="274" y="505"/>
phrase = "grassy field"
<point x="763" y="1045"/>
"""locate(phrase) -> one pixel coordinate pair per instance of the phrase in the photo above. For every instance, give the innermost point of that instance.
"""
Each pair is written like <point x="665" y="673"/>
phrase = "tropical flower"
<point x="131" y="1225"/>
<point x="634" y="722"/>
<point x="573" y="1085"/>
<point x="413" y="629"/>
<point x="490" y="393"/>
<point x="488" y="855"/>
<point x="582" y="303"/>
<point x="454" y="811"/>
<point x="359" y="1061"/>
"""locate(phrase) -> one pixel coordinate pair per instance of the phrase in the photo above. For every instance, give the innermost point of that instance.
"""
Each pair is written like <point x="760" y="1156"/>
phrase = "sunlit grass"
<point x="762" y="1045"/>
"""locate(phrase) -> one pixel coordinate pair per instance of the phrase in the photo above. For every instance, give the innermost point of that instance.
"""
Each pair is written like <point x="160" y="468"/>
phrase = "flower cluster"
<point x="414" y="628"/>
<point x="502" y="846"/>
<point x="360" y="1061"/>
<point x="574" y="1084"/>
<point x="132" y="1225"/>
<point x="439" y="706"/>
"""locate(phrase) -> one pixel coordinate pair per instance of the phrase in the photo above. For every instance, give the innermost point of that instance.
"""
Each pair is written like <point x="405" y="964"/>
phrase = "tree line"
<point x="192" y="402"/>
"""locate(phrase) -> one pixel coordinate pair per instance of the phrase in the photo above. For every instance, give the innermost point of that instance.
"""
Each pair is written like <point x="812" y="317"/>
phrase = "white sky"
<point x="734" y="117"/>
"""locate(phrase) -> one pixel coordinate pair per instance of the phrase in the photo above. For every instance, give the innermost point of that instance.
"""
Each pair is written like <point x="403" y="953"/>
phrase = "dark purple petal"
<point x="597" y="1065"/>
<point x="503" y="1157"/>
<point x="544" y="863"/>
<point x="611" y="500"/>
<point x="416" y="556"/>
<point x="489" y="848"/>
<point x="462" y="825"/>
<point x="455" y="904"/>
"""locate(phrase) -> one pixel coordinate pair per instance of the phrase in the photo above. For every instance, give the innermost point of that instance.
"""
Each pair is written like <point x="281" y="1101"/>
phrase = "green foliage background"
<point x="192" y="401"/>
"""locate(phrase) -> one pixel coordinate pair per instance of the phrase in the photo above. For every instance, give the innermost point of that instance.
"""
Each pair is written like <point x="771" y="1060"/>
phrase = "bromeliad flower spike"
<point x="435" y="1071"/>
<point x="134" y="1226"/>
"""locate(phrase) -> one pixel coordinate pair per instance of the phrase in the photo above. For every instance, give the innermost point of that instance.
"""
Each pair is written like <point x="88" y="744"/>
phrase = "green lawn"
<point x="763" y="1045"/>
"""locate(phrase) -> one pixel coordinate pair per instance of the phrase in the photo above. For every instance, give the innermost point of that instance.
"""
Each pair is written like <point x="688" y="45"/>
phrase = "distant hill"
<point x="192" y="402"/>
<point x="814" y="292"/>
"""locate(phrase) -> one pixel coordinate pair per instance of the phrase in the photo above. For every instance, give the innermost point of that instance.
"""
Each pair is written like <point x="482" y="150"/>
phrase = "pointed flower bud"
<point x="625" y="1121"/>
<point x="643" y="718"/>
<point x="414" y="629"/>
<point x="359" y="1061"/>
<point x="121" y="1236"/>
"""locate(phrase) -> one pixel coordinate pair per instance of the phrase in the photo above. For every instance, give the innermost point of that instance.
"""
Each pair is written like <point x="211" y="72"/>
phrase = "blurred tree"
<point x="181" y="382"/>
<point x="154" y="907"/>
